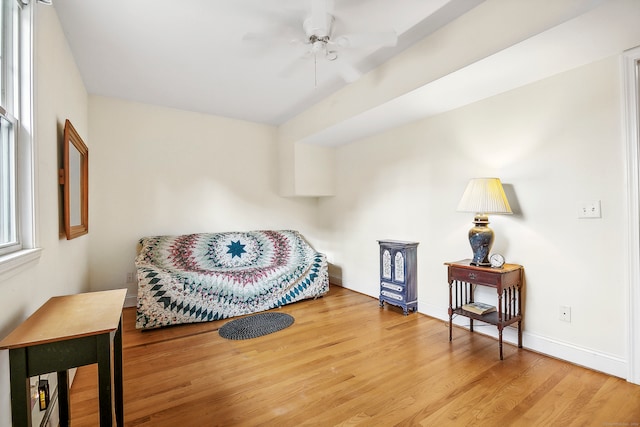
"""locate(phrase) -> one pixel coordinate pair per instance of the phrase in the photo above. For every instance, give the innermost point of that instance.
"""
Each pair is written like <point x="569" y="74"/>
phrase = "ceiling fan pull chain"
<point x="315" y="70"/>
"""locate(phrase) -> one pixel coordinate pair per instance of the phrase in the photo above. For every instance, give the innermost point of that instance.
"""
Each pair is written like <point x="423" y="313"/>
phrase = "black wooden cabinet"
<point x="398" y="274"/>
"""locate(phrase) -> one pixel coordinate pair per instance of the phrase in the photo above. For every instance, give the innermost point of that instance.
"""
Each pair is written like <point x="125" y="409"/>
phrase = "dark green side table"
<point x="67" y="332"/>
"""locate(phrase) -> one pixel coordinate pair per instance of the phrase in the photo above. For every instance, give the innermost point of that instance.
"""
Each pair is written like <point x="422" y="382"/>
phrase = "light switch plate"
<point x="589" y="209"/>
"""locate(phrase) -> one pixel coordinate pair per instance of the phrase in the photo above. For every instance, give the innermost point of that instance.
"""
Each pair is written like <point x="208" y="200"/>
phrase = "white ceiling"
<point x="190" y="54"/>
<point x="591" y="31"/>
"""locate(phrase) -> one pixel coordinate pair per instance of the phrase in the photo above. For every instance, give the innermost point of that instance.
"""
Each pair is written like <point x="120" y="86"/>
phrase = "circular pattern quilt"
<point x="210" y="276"/>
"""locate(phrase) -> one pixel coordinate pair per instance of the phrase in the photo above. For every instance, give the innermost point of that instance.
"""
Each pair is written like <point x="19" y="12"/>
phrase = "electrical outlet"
<point x="131" y="277"/>
<point x="565" y="313"/>
<point x="589" y="209"/>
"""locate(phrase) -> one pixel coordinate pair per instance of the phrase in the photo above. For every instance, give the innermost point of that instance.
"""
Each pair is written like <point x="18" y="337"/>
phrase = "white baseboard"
<point x="51" y="418"/>
<point x="130" y="301"/>
<point x="335" y="280"/>
<point x="582" y="356"/>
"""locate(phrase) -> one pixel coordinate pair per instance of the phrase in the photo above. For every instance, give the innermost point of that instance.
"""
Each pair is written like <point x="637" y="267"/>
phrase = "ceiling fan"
<point x="321" y="42"/>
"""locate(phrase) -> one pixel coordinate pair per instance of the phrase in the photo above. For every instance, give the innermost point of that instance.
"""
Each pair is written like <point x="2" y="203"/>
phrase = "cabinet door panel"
<point x="386" y="264"/>
<point x="398" y="267"/>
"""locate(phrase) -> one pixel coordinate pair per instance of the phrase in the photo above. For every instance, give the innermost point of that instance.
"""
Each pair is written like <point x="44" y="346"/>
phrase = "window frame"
<point x="17" y="107"/>
<point x="9" y="225"/>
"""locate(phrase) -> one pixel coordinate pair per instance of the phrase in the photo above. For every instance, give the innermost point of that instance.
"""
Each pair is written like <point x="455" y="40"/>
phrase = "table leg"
<point x="519" y="333"/>
<point x="519" y="313"/>
<point x="450" y="309"/>
<point x="500" y="340"/>
<point x="20" y="394"/>
<point x="105" y="388"/>
<point x="470" y="289"/>
<point x="118" y="375"/>
<point x="64" y="411"/>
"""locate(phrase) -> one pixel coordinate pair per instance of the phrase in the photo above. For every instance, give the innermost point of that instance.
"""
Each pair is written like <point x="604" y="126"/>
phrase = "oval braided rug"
<point x="255" y="325"/>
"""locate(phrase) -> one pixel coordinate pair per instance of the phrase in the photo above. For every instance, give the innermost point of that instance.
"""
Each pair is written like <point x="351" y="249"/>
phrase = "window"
<point x="9" y="38"/>
<point x="9" y="240"/>
<point x="16" y="151"/>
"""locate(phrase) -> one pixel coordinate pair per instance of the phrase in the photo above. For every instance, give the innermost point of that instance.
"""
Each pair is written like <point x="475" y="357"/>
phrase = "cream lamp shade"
<point x="483" y="196"/>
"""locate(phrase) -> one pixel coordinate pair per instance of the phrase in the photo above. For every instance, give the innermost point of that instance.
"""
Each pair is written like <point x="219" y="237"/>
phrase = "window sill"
<point x="13" y="263"/>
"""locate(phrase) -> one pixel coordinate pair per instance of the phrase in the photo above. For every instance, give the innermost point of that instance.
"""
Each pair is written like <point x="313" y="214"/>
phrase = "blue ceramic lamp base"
<point x="481" y="240"/>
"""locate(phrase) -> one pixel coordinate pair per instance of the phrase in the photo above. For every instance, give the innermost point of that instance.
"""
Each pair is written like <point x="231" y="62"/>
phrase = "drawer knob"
<point x="472" y="276"/>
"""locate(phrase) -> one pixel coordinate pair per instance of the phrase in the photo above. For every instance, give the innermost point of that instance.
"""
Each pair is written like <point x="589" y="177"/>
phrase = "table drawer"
<point x="475" y="276"/>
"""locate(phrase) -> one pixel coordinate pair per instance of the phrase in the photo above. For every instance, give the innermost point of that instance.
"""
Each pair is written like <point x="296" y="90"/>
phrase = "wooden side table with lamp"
<point x="484" y="196"/>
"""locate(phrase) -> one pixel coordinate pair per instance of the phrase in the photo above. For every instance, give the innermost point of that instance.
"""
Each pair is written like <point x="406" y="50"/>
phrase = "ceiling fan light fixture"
<point x="318" y="46"/>
<point x="319" y="40"/>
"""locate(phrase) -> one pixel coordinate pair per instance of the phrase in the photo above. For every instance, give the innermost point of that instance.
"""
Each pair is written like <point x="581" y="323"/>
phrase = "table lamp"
<point x="483" y="196"/>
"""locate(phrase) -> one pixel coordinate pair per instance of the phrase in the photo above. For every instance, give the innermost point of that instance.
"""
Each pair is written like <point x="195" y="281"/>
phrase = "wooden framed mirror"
<point x="74" y="178"/>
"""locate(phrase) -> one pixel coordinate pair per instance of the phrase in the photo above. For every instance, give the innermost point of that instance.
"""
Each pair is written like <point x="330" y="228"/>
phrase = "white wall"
<point x="63" y="265"/>
<point x="304" y="170"/>
<point x="553" y="143"/>
<point x="155" y="170"/>
<point x="159" y="171"/>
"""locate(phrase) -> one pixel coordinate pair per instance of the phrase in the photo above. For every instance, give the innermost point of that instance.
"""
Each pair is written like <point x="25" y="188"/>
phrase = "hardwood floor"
<point x="346" y="362"/>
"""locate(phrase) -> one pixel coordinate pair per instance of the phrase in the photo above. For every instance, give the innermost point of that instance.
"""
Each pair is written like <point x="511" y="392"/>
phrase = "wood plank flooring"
<point x="346" y="362"/>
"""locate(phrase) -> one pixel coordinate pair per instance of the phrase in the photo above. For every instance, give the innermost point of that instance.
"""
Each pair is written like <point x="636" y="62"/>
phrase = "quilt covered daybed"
<point x="211" y="276"/>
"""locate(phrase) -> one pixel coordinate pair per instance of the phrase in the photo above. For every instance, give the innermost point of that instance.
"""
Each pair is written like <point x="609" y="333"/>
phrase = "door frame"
<point x="631" y="116"/>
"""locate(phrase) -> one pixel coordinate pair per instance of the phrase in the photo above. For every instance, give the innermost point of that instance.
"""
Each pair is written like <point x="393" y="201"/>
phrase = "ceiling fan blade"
<point x="319" y="24"/>
<point x="278" y="35"/>
<point x="348" y="72"/>
<point x="257" y="37"/>
<point x="383" y="39"/>
<point x="295" y="66"/>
